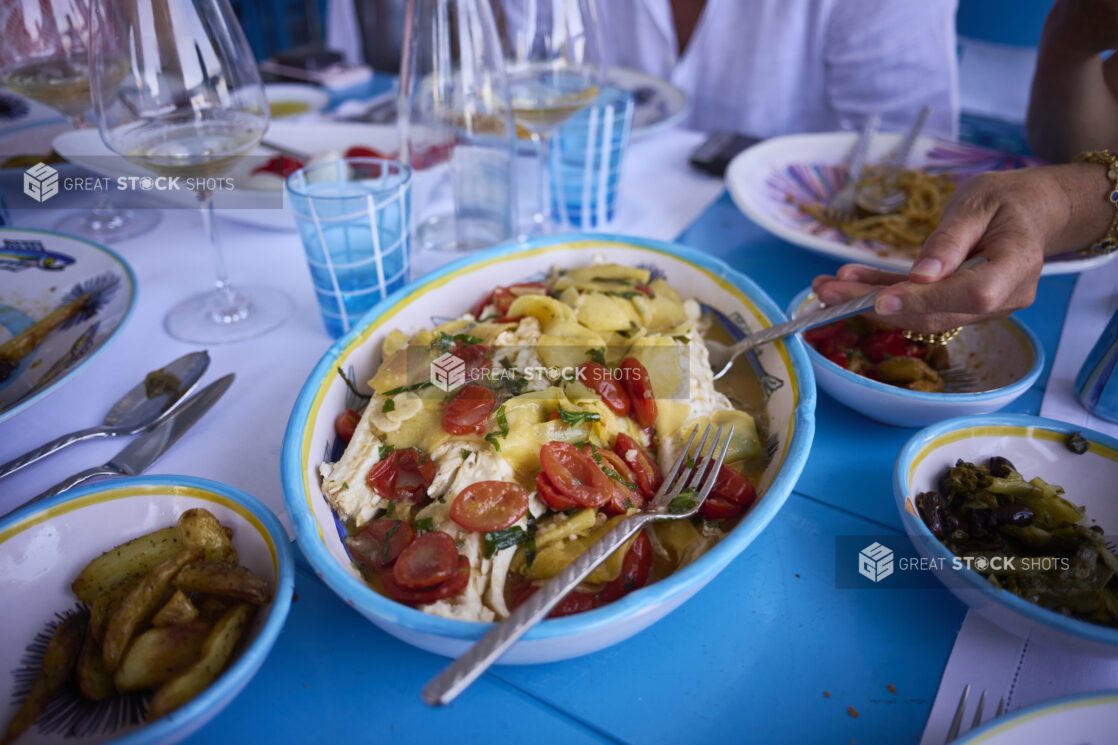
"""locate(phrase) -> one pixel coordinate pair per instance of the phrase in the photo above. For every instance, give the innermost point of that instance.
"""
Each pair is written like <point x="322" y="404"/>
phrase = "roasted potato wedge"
<point x="216" y="651"/>
<point x="223" y="579"/>
<point x="94" y="679"/>
<point x="58" y="660"/>
<point x="178" y="610"/>
<point x="150" y="595"/>
<point x="211" y="608"/>
<point x="157" y="655"/>
<point x="199" y="529"/>
<point x="137" y="557"/>
<point x="103" y="608"/>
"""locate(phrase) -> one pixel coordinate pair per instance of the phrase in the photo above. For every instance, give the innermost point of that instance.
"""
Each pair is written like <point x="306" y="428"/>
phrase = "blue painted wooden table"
<point x="770" y="651"/>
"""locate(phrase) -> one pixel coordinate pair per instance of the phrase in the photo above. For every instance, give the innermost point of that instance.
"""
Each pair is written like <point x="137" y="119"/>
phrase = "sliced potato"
<point x="62" y="652"/>
<point x="216" y="651"/>
<point x="153" y="592"/>
<point x="580" y="523"/>
<point x="211" y="608"/>
<point x="137" y="557"/>
<point x="157" y="655"/>
<point x="541" y="307"/>
<point x="555" y="558"/>
<point x="178" y="610"/>
<point x="106" y="604"/>
<point x="199" y="529"/>
<point x="223" y="579"/>
<point x="93" y="677"/>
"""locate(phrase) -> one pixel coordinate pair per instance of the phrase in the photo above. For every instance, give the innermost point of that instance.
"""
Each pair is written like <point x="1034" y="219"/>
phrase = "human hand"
<point x="1012" y="219"/>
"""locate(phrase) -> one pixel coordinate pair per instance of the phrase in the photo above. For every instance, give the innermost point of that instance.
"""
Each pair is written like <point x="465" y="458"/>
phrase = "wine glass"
<point x="555" y="63"/>
<point x="188" y="103"/>
<point x="45" y="57"/>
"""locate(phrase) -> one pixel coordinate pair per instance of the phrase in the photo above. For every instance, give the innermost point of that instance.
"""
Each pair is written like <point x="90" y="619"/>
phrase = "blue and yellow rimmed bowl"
<point x="43" y="548"/>
<point x="1001" y="357"/>
<point x="1037" y="447"/>
<point x="450" y="292"/>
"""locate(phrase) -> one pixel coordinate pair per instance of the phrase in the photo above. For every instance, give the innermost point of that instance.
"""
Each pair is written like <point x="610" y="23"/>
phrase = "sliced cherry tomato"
<point x="346" y="423"/>
<point x="646" y="474"/>
<point x="623" y="497"/>
<point x="432" y="155"/>
<point x="643" y="289"/>
<point x="732" y="486"/>
<point x="358" y="151"/>
<point x="428" y="560"/>
<point x="402" y="475"/>
<point x="477" y="357"/>
<point x="717" y="508"/>
<point x="575" y="475"/>
<point x="448" y="589"/>
<point x="885" y="343"/>
<point x="840" y="358"/>
<point x="281" y="165"/>
<point x="575" y="601"/>
<point x="469" y="410"/>
<point x="635" y="570"/>
<point x="822" y="333"/>
<point x="598" y="378"/>
<point x="485" y="506"/>
<point x="379" y="543"/>
<point x="637" y="383"/>
<point x="551" y="496"/>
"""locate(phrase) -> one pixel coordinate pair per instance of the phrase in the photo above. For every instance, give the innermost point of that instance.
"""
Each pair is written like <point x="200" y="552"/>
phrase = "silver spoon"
<point x="722" y="357"/>
<point x="885" y="197"/>
<point x="138" y="409"/>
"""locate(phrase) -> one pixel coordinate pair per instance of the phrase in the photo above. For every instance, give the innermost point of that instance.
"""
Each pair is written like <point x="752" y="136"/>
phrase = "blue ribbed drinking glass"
<point x="353" y="217"/>
<point x="1097" y="382"/>
<point x="587" y="153"/>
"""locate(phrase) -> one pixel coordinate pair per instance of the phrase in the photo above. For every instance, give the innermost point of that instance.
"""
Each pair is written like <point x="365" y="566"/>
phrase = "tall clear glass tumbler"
<point x="354" y="218"/>
<point x="456" y="129"/>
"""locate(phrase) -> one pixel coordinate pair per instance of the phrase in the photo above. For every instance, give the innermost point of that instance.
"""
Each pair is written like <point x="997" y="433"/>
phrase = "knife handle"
<point x="53" y="446"/>
<point x="70" y="482"/>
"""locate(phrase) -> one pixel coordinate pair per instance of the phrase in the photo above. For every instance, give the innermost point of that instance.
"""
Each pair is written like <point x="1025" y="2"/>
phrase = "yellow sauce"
<point x="287" y="108"/>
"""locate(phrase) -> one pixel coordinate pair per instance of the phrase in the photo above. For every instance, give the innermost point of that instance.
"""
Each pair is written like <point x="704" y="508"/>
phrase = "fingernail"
<point x="830" y="297"/>
<point x="888" y="304"/>
<point x="928" y="268"/>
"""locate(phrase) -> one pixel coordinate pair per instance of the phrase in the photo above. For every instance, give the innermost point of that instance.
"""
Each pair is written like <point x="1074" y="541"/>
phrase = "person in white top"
<point x="771" y="67"/>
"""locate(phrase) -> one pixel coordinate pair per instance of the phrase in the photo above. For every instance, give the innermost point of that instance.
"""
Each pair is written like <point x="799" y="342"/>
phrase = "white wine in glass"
<point x="554" y="57"/>
<point x="189" y="104"/>
<point x="45" y="57"/>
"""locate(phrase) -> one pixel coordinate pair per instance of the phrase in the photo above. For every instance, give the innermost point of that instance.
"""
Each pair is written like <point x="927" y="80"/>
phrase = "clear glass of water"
<point x="354" y="218"/>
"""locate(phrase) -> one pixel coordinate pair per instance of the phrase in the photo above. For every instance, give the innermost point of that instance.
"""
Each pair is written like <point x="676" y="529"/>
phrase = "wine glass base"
<point x="209" y="318"/>
<point x="109" y="225"/>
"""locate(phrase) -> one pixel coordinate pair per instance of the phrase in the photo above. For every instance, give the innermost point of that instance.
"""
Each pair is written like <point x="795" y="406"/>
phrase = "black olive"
<point x="1077" y="444"/>
<point x="930" y="506"/>
<point x="1001" y="467"/>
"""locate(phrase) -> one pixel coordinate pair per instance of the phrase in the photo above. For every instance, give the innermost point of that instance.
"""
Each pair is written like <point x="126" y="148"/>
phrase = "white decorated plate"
<point x="39" y="273"/>
<point x="256" y="207"/>
<point x="1087" y="719"/>
<point x="769" y="180"/>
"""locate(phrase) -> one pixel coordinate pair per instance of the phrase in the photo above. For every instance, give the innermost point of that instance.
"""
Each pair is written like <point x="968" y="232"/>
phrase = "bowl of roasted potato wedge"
<point x="901" y="379"/>
<point x="135" y="610"/>
<point x="1017" y="517"/>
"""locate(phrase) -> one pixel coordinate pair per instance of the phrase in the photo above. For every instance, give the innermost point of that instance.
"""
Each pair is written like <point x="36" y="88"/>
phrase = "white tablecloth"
<point x="239" y="440"/>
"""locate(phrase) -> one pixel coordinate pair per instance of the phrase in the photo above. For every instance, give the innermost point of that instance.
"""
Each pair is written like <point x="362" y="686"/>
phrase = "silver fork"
<point x="687" y="484"/>
<point x="841" y="206"/>
<point x="953" y="732"/>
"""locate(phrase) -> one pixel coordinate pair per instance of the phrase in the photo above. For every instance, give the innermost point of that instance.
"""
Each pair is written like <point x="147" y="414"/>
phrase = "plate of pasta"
<point x="784" y="183"/>
<point x="483" y="427"/>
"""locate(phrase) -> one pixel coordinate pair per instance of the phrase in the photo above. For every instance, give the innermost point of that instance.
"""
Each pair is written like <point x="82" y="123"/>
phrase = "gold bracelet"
<point x="1109" y="241"/>
<point x="938" y="338"/>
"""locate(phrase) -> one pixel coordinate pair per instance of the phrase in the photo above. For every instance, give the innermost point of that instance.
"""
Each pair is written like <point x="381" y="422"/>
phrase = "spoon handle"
<point x="906" y="145"/>
<point x="51" y="447"/>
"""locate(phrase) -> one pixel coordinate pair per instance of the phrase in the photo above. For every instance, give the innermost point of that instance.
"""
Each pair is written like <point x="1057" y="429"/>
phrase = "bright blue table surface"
<point x="770" y="651"/>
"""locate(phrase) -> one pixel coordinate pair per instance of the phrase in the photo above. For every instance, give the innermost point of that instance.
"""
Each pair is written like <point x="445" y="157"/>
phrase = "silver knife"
<point x="139" y="454"/>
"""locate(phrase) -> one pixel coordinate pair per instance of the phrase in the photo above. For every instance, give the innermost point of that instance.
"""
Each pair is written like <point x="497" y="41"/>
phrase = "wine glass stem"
<point x="229" y="305"/>
<point x="543" y="196"/>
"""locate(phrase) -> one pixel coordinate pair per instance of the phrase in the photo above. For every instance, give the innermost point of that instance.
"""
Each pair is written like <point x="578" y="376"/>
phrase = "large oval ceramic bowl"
<point x="1037" y="447"/>
<point x="43" y="548"/>
<point x="1086" y="718"/>
<point x="450" y="292"/>
<point x="1003" y="357"/>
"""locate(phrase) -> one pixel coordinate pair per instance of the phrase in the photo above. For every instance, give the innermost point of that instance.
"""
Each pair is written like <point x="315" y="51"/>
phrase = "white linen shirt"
<point x="769" y="67"/>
